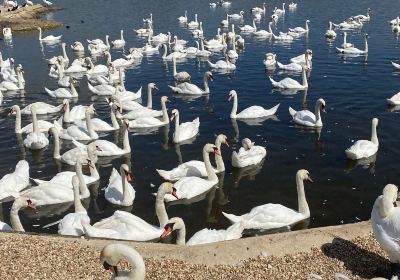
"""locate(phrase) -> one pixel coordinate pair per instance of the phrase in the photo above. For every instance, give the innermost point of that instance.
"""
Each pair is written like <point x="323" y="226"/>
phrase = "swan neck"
<point x="84" y="191"/>
<point x="126" y="145"/>
<point x="149" y="97"/>
<point x="77" y="201"/>
<point x="66" y="113"/>
<point x="73" y="89"/>
<point x="18" y="128"/>
<point x="161" y="212"/>
<point x="234" y="107"/>
<point x="14" y="218"/>
<point x="206" y="88"/>
<point x="218" y="158"/>
<point x="164" y="111"/>
<point x="89" y="126"/>
<point x="366" y="44"/>
<point x="301" y="196"/>
<point x="177" y="126"/>
<point x="174" y="65"/>
<point x="114" y="120"/>
<point x="318" y="120"/>
<point x="56" y="152"/>
<point x="181" y="236"/>
<point x="64" y="52"/>
<point x="126" y="198"/>
<point x="165" y="52"/>
<point x="210" y="171"/>
<point x="305" y="82"/>
<point x="374" y="135"/>
<point x="34" y="121"/>
<point x="138" y="271"/>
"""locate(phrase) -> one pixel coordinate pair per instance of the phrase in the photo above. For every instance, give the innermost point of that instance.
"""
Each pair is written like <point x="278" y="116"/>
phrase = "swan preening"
<point x="248" y="154"/>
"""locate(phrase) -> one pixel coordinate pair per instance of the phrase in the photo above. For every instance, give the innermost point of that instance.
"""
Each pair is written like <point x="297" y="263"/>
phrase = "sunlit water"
<point x="355" y="90"/>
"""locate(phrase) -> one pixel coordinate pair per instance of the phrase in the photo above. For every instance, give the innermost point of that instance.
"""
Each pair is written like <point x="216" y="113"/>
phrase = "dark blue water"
<point x="354" y="89"/>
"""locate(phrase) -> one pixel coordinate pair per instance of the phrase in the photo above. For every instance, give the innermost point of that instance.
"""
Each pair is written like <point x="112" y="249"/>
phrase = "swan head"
<point x="153" y="86"/>
<point x="125" y="122"/>
<point x="164" y="99"/>
<point x="366" y="35"/>
<point x="211" y="148"/>
<point x="309" y="52"/>
<point x="116" y="107"/>
<point x="168" y="187"/>
<point x="223" y="139"/>
<point x="209" y="75"/>
<point x="14" y="109"/>
<point x="127" y="172"/>
<point x="23" y="201"/>
<point x="172" y="224"/>
<point x="308" y="21"/>
<point x="232" y="94"/>
<point x="39" y="28"/>
<point x="321" y="105"/>
<point x="375" y="122"/>
<point x="247" y="143"/>
<point x="110" y="257"/>
<point x="174" y="114"/>
<point x="91" y="110"/>
<point x="304" y="175"/>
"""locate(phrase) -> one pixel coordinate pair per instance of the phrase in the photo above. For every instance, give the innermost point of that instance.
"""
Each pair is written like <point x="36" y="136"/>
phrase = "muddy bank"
<point x="27" y="18"/>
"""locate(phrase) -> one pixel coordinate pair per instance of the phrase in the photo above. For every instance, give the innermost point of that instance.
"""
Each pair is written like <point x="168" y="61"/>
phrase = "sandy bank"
<point x="27" y="18"/>
<point x="348" y="249"/>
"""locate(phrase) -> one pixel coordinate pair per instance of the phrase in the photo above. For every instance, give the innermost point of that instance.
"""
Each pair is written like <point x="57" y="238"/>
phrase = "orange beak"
<point x="172" y="117"/>
<point x="217" y="152"/>
<point x="310" y="180"/>
<point x="31" y="205"/>
<point x="226" y="143"/>
<point x="129" y="177"/>
<point x="174" y="194"/>
<point x="166" y="232"/>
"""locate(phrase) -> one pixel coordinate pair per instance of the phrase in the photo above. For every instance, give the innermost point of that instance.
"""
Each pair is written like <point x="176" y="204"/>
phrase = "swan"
<point x="289" y="83"/>
<point x="283" y="37"/>
<point x="195" y="23"/>
<point x="263" y="33"/>
<point x="181" y="76"/>
<point x="365" y="148"/>
<point x="190" y="187"/>
<point x="198" y="32"/>
<point x="71" y="224"/>
<point x="63" y="80"/>
<point x="225" y="22"/>
<point x="292" y="5"/>
<point x="349" y="24"/>
<point x="232" y="54"/>
<point x="269" y="216"/>
<point x="395" y="21"/>
<point x="11" y="184"/>
<point x="119" y="62"/>
<point x="237" y="16"/>
<point x="35" y="140"/>
<point x="192" y="50"/>
<point x="258" y="9"/>
<point x="99" y="124"/>
<point x="48" y="3"/>
<point x="295" y="66"/>
<point x="250" y="112"/>
<point x="48" y="39"/>
<point x="119" y="191"/>
<point x="231" y="34"/>
<point x="196" y="168"/>
<point x="42" y="108"/>
<point x="301" y="29"/>
<point x="203" y="236"/>
<point x="102" y="89"/>
<point x="95" y="50"/>
<point x="223" y="64"/>
<point x="42" y="125"/>
<point x="107" y="148"/>
<point x="119" y="43"/>
<point x="10" y="86"/>
<point x="112" y="254"/>
<point x="161" y="38"/>
<point x="184" y="131"/>
<point x="183" y="19"/>
<point x="217" y="44"/>
<point x="76" y="113"/>
<point x="188" y="88"/>
<point x="7" y="34"/>
<point x="248" y="154"/>
<point x="301" y="59"/>
<point x="224" y="3"/>
<point x="270" y="60"/>
<point x="353" y="50"/>
<point x="71" y="156"/>
<point x="394" y="100"/>
<point x="63" y="92"/>
<point x="54" y="59"/>
<point x="98" y="69"/>
<point x="307" y="118"/>
<point x="148" y="121"/>
<point x="345" y="44"/>
<point x="14" y="217"/>
<point x="330" y="33"/>
<point x="77" y="133"/>
<point x="203" y="52"/>
<point x="363" y="17"/>
<point x="78" y="47"/>
<point x="280" y="11"/>
<point x="144" y="31"/>
<point x="248" y="28"/>
<point x="385" y="224"/>
<point x="76" y="68"/>
<point x="169" y="57"/>
<point x="124" y="225"/>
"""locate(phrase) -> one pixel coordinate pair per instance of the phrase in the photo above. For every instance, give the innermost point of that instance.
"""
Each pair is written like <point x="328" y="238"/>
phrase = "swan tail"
<point x="280" y="65"/>
<point x="212" y="64"/>
<point x="49" y="92"/>
<point x="139" y="92"/>
<point x="92" y="88"/>
<point x="175" y="89"/>
<point x="273" y="110"/>
<point x="339" y="50"/>
<point x="38" y="181"/>
<point x="197" y="122"/>
<point x="291" y="30"/>
<point x="233" y="218"/>
<point x="395" y="65"/>
<point x="274" y="83"/>
<point x="164" y="173"/>
<point x="292" y="112"/>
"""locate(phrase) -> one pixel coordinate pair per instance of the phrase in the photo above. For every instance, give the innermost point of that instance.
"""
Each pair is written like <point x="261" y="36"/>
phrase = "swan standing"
<point x="184" y="131"/>
<point x="269" y="216"/>
<point x="112" y="254"/>
<point x="364" y="148"/>
<point x="119" y="191"/>
<point x="35" y="140"/>
<point x="248" y="154"/>
<point x="307" y="118"/>
<point x="250" y="112"/>
<point x="188" y="88"/>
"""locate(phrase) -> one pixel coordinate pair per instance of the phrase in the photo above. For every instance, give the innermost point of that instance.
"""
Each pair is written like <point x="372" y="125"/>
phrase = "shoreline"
<point x="347" y="249"/>
<point x="28" y="18"/>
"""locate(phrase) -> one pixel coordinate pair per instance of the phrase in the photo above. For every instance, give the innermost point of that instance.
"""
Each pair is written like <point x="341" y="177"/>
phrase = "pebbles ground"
<point x="25" y="256"/>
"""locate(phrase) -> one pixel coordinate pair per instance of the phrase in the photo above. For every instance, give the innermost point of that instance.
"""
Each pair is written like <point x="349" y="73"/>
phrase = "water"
<point x="355" y="90"/>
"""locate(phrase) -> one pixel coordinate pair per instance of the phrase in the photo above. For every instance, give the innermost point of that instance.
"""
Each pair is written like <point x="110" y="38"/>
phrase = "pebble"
<point x="341" y="276"/>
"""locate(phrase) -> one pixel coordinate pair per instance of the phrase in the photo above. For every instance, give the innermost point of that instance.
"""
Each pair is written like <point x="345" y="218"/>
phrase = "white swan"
<point x="250" y="112"/>
<point x="292" y="5"/>
<point x="283" y="37"/>
<point x="161" y="38"/>
<point x="248" y="28"/>
<point x="71" y="156"/>
<point x="42" y="125"/>
<point x="353" y="50"/>
<point x="99" y="124"/>
<point x="196" y="168"/>
<point x="385" y="220"/>
<point x="301" y="59"/>
<point x="198" y="32"/>
<point x="14" y="218"/>
<point x="330" y="33"/>
<point x="123" y="225"/>
<point x="181" y="76"/>
<point x="77" y="133"/>
<point x="269" y="216"/>
<point x="112" y="254"/>
<point x="119" y="43"/>
<point x="301" y="29"/>
<point x="11" y="86"/>
<point x="270" y="60"/>
<point x="175" y="54"/>
<point x="280" y="11"/>
<point x="188" y="88"/>
<point x="107" y="148"/>
<point x="225" y="22"/>
<point x="35" y="140"/>
<point x="203" y="236"/>
<point x="248" y="154"/>
<point x="148" y="121"/>
<point x="223" y="64"/>
<point x="184" y="131"/>
<point x="98" y="69"/>
<point x="48" y="39"/>
<point x="183" y="19"/>
<point x="78" y="47"/>
<point x="119" y="191"/>
<point x="394" y="100"/>
<point x="191" y="187"/>
<point x="295" y="66"/>
<point x="289" y="83"/>
<point x="365" y="148"/>
<point x="7" y="34"/>
<point x="264" y="33"/>
<point x="307" y="118"/>
<point x="63" y="92"/>
<point x="194" y="23"/>
<point x="76" y="113"/>
<point x="71" y="224"/>
<point x="202" y="52"/>
<point x="102" y="89"/>
<point x="345" y="44"/>
<point x="258" y="9"/>
<point x="11" y="184"/>
<point x="42" y="108"/>
<point x="119" y="62"/>
<point x="363" y="17"/>
<point x="237" y="16"/>
<point x="65" y="59"/>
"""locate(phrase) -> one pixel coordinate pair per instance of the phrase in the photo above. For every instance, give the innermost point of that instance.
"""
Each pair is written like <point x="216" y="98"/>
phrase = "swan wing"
<point x="114" y="192"/>
<point x="144" y="122"/>
<point x="361" y="149"/>
<point x="189" y="187"/>
<point x="305" y="118"/>
<point x="71" y="224"/>
<point x="108" y="148"/>
<point x="188" y="130"/>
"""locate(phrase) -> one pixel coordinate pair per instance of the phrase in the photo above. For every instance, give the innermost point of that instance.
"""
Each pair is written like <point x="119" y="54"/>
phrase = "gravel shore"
<point x="26" y="256"/>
